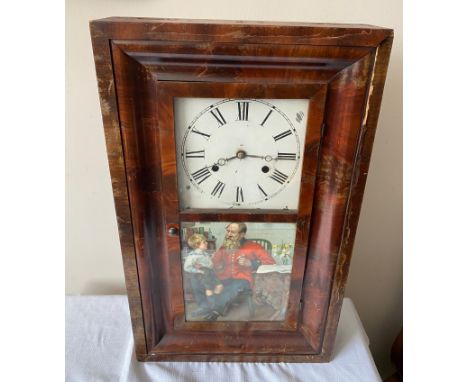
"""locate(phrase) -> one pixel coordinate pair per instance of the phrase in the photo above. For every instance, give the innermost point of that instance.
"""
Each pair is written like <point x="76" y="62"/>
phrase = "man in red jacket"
<point x="234" y="264"/>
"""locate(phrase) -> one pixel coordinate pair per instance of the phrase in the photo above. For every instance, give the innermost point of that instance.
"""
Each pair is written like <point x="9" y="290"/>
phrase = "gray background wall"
<point x="93" y="263"/>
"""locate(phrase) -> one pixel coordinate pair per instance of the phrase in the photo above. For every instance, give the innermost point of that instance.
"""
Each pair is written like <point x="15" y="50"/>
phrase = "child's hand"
<point x="219" y="267"/>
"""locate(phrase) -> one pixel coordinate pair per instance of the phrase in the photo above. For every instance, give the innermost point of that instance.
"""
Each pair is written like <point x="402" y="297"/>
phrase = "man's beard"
<point x="233" y="243"/>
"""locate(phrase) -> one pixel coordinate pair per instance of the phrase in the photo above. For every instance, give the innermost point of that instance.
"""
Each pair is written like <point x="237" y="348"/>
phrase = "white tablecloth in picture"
<point x="99" y="347"/>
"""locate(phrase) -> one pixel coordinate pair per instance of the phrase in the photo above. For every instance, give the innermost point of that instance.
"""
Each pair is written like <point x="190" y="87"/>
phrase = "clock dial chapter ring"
<point x="224" y="162"/>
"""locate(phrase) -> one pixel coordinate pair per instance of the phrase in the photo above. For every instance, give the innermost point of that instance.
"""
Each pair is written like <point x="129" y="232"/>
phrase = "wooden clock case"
<point x="141" y="65"/>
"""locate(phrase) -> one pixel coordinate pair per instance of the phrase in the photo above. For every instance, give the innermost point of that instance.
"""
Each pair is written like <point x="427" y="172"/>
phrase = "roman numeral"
<point x="218" y="116"/>
<point x="279" y="176"/>
<point x="195" y="154"/>
<point x="282" y="135"/>
<point x="239" y="195"/>
<point x="261" y="190"/>
<point x="201" y="174"/>
<point x="218" y="189"/>
<point x="243" y="111"/>
<point x="287" y="156"/>
<point x="199" y="132"/>
<point x="269" y="113"/>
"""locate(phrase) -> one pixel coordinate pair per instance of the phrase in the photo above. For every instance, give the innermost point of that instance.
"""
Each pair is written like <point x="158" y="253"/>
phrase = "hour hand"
<point x="223" y="161"/>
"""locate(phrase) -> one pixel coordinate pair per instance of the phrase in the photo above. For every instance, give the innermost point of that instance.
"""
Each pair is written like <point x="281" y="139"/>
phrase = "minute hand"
<point x="281" y="156"/>
<point x="257" y="156"/>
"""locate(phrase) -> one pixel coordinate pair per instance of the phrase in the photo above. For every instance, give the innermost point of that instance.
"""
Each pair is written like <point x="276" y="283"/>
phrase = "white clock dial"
<point x="239" y="153"/>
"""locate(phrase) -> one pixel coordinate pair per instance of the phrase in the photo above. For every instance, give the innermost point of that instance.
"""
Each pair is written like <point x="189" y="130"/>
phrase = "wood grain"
<point x="141" y="65"/>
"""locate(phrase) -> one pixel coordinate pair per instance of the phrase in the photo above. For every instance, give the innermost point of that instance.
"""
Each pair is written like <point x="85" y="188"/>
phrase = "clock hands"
<point x="242" y="154"/>
<point x="223" y="161"/>
<point x="269" y="158"/>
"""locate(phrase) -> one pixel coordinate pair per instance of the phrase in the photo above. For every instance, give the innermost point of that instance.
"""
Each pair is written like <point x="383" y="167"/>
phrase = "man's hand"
<point x="243" y="262"/>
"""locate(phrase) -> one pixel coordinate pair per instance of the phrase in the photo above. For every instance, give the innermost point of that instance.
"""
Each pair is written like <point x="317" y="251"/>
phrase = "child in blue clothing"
<point x="198" y="263"/>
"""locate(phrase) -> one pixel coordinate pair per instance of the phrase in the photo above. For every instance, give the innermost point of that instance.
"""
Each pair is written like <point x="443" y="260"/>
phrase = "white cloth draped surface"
<point x="99" y="347"/>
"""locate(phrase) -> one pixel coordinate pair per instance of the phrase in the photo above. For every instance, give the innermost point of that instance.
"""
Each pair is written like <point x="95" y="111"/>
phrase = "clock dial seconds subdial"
<point x="241" y="152"/>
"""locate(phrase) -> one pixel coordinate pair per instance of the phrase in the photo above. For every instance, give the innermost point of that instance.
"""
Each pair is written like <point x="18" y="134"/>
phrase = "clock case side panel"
<point x="352" y="108"/>
<point x="140" y="136"/>
<point x="360" y="167"/>
<point x="118" y="172"/>
<point x="346" y="97"/>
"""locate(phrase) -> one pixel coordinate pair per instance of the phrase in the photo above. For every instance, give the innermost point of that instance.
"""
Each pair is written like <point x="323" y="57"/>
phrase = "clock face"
<point x="239" y="153"/>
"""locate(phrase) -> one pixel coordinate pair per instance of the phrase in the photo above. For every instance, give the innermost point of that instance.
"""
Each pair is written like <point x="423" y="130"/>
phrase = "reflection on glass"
<point x="237" y="271"/>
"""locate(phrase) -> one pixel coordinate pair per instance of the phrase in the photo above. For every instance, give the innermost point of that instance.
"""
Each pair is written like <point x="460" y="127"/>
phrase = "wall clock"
<point x="238" y="155"/>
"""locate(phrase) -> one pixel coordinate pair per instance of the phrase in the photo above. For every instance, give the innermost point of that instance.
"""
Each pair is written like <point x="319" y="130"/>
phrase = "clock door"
<point x="240" y="166"/>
